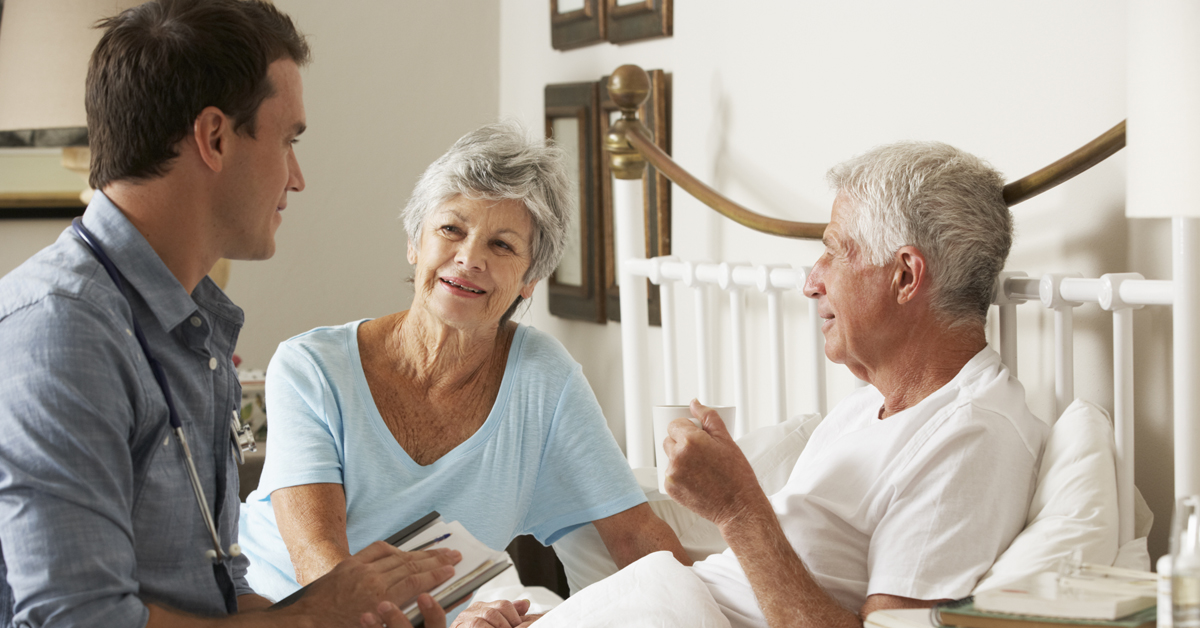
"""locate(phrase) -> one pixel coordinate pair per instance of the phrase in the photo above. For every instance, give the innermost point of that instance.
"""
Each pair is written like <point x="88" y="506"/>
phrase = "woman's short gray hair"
<point x="501" y="162"/>
<point x="947" y="203"/>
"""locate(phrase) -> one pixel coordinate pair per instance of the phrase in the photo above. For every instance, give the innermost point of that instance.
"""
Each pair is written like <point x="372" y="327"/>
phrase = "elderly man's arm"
<point x="633" y="533"/>
<point x="709" y="475"/>
<point x="786" y="592"/>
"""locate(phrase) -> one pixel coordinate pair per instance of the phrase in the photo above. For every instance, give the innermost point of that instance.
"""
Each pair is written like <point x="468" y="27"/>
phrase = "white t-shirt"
<point x="917" y="505"/>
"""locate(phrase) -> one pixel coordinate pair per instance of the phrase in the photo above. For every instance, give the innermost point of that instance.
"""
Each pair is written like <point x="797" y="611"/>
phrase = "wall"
<point x="767" y="98"/>
<point x="391" y="86"/>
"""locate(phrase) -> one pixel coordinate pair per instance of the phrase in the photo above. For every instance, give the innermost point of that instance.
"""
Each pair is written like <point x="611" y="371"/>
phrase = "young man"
<point x="193" y="109"/>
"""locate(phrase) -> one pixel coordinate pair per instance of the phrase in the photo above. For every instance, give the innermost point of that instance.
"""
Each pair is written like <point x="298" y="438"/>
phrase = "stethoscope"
<point x="242" y="436"/>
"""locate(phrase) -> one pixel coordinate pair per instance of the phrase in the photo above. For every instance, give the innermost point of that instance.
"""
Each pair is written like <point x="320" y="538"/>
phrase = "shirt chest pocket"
<point x="166" y="518"/>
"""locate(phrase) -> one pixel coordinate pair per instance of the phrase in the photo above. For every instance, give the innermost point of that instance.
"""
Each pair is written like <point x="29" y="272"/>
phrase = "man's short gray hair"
<point x="947" y="203"/>
<point x="501" y="162"/>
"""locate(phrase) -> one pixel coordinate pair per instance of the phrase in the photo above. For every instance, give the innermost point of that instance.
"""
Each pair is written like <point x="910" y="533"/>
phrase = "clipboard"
<point x="447" y="597"/>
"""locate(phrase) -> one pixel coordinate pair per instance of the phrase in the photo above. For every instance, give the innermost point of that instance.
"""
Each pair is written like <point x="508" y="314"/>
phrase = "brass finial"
<point x="629" y="87"/>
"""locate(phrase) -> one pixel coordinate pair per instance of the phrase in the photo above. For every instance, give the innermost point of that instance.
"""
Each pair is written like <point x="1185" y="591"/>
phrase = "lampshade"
<point x="44" y="50"/>
<point x="1163" y="134"/>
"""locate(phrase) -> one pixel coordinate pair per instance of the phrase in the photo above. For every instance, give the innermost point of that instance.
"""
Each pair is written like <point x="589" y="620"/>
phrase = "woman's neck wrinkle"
<point x="440" y="358"/>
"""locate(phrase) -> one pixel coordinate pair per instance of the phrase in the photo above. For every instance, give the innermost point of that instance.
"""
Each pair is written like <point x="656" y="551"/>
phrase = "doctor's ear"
<point x="210" y="132"/>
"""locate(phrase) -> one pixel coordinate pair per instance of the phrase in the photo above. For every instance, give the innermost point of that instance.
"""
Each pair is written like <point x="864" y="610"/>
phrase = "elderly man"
<point x="911" y="487"/>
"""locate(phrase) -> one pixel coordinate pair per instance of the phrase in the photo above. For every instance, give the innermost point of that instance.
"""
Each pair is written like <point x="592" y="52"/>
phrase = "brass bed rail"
<point x="632" y="145"/>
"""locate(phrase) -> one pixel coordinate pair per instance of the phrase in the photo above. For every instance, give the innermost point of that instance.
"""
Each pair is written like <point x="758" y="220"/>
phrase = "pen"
<point x="428" y="543"/>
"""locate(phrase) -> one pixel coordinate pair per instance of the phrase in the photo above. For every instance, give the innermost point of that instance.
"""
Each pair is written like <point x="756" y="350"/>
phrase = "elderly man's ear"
<point x="910" y="274"/>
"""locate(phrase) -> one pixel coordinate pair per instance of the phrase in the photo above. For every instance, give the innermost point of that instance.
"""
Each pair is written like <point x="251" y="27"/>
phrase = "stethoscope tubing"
<point x="217" y="554"/>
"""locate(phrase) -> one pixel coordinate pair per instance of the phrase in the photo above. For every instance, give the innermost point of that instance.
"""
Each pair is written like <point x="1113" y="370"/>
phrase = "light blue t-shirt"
<point x="543" y="463"/>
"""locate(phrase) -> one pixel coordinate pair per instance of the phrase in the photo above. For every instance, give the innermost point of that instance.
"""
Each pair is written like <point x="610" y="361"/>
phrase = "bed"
<point x="1086" y="497"/>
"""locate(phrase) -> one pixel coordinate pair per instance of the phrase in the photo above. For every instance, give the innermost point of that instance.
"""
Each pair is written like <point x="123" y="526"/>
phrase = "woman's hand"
<point x="501" y="614"/>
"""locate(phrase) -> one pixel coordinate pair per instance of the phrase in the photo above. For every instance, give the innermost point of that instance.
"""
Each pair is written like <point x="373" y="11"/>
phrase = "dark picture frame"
<point x="25" y="205"/>
<point x="656" y="192"/>
<point x="627" y="21"/>
<point x="579" y="27"/>
<point x="57" y="206"/>
<point x="574" y="287"/>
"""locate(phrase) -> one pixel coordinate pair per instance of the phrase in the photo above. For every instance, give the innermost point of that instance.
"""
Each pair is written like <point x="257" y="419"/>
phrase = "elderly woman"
<point x="448" y="406"/>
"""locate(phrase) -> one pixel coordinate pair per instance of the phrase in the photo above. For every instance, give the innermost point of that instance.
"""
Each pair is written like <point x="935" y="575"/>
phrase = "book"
<point x="479" y="563"/>
<point x="1089" y="592"/>
<point x="900" y="618"/>
<point x="964" y="614"/>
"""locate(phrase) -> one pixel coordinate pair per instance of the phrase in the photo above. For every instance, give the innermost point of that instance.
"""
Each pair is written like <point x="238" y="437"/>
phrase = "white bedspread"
<point x="654" y="592"/>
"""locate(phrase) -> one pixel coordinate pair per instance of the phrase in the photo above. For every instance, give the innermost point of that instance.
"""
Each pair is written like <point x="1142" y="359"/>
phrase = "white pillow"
<point x="772" y="452"/>
<point x="1075" y="503"/>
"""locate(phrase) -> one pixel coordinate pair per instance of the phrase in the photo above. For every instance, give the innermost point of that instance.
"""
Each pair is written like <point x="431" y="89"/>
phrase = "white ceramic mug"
<point x="663" y="415"/>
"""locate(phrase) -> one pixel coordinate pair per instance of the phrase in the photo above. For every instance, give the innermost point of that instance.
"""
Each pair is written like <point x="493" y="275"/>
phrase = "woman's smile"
<point x="458" y="285"/>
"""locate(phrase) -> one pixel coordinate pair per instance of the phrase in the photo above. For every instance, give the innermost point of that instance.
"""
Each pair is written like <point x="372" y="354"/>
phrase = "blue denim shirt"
<point x="97" y="513"/>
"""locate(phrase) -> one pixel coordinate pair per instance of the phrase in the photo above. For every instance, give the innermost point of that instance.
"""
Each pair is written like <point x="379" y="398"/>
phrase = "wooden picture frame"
<point x="656" y="192"/>
<point x="574" y="287"/>
<point x="576" y="23"/>
<point x="636" y="20"/>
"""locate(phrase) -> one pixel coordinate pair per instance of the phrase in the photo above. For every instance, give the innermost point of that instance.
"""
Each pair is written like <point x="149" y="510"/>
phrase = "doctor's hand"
<point x="389" y="615"/>
<point x="379" y="580"/>
<point x="708" y="473"/>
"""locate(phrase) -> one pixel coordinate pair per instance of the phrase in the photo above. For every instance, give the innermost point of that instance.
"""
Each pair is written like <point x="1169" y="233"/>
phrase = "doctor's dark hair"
<point x="158" y="65"/>
<point x="947" y="203"/>
<point x="501" y="162"/>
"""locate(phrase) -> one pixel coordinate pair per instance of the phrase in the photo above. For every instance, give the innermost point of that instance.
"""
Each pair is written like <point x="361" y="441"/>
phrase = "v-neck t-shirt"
<point x="543" y="463"/>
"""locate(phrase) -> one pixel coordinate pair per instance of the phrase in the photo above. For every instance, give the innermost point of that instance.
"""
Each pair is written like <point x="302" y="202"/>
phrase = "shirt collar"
<point x="143" y="271"/>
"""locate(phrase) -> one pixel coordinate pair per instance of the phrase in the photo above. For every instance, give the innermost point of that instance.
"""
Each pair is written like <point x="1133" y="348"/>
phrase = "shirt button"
<point x="196" y="322"/>
<point x="212" y="364"/>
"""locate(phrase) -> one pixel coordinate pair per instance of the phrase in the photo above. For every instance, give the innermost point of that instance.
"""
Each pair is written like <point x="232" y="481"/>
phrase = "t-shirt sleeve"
<point x="583" y="476"/>
<point x="304" y="435"/>
<point x="958" y="504"/>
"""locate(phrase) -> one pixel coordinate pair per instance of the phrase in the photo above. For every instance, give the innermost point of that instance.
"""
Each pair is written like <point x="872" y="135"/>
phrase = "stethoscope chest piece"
<point x="242" y="437"/>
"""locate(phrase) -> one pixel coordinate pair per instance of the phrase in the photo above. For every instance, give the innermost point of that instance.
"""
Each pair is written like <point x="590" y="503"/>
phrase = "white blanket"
<point x="654" y="592"/>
